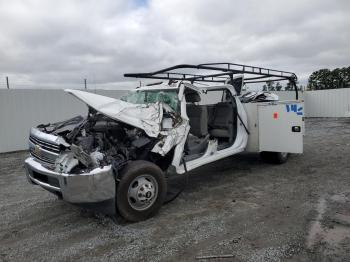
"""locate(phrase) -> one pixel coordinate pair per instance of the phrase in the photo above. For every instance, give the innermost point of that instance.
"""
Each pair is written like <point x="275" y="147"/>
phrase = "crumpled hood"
<point x="147" y="117"/>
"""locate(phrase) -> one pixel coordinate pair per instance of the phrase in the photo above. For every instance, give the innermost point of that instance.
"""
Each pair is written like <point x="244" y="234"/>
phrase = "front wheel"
<point x="141" y="190"/>
<point x="274" y="157"/>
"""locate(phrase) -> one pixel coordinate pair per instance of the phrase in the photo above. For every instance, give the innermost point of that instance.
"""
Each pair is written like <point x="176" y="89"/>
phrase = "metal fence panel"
<point x="328" y="103"/>
<point x="21" y="109"/>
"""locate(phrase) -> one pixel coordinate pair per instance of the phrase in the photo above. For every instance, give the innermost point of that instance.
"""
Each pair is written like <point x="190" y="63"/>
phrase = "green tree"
<point x="270" y="86"/>
<point x="329" y="79"/>
<point x="278" y="86"/>
<point x="289" y="86"/>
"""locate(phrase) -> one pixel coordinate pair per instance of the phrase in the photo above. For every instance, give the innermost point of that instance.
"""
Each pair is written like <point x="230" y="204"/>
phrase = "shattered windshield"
<point x="168" y="97"/>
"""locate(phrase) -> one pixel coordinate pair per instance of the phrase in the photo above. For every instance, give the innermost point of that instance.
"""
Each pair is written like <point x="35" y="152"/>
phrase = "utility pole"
<point x="7" y="82"/>
<point x="85" y="83"/>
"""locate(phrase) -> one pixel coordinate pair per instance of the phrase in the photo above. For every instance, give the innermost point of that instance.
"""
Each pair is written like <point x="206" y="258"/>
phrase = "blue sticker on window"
<point x="294" y="108"/>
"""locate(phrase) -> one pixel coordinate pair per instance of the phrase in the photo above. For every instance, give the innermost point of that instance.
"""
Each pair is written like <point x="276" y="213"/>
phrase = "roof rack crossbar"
<point x="198" y="79"/>
<point x="248" y="66"/>
<point x="265" y="80"/>
<point x="253" y="78"/>
<point x="228" y="69"/>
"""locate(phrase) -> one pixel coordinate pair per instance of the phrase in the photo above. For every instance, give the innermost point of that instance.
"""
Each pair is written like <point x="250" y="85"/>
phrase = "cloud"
<point x="59" y="43"/>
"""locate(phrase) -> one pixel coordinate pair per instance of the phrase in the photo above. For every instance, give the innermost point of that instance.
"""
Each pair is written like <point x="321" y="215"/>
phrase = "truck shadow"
<point x="219" y="171"/>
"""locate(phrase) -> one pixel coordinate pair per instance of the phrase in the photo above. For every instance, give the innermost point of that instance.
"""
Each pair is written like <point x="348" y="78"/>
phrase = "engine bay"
<point x="96" y="141"/>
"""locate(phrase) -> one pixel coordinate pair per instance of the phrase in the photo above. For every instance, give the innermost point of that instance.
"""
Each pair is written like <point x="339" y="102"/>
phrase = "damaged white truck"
<point x="128" y="156"/>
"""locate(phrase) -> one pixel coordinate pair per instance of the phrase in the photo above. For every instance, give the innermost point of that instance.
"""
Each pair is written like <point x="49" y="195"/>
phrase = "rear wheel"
<point x="141" y="190"/>
<point x="274" y="157"/>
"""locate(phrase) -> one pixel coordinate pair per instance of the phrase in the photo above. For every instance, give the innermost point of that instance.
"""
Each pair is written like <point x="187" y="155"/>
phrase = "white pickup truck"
<point x="128" y="156"/>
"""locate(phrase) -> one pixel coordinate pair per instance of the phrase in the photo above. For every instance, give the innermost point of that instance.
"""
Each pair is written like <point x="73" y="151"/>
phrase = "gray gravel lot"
<point x="299" y="211"/>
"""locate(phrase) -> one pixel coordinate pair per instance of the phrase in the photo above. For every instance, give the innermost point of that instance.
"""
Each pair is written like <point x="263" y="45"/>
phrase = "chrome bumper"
<point x="86" y="189"/>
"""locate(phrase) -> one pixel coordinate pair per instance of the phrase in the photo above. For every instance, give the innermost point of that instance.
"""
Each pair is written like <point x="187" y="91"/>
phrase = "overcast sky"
<point x="62" y="42"/>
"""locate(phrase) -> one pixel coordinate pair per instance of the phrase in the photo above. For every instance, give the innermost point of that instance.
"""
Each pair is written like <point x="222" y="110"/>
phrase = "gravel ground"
<point x="239" y="206"/>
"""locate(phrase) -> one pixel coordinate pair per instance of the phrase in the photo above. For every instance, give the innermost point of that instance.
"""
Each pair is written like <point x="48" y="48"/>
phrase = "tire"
<point x="141" y="190"/>
<point x="274" y="157"/>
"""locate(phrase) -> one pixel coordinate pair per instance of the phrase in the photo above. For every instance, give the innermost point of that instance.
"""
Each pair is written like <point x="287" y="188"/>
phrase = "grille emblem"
<point x="37" y="150"/>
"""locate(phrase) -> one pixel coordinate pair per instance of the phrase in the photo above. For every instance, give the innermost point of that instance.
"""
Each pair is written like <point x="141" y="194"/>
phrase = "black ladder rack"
<point x="253" y="74"/>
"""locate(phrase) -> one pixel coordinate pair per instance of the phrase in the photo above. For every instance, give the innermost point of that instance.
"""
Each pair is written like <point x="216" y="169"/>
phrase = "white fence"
<point x="21" y="109"/>
<point x="328" y="103"/>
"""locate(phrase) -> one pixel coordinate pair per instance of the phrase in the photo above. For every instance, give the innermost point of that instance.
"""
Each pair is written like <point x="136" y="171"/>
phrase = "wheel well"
<point x="162" y="161"/>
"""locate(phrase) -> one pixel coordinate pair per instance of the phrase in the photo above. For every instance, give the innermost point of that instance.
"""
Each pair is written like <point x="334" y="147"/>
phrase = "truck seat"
<point x="197" y="140"/>
<point x="222" y="124"/>
<point x="197" y="114"/>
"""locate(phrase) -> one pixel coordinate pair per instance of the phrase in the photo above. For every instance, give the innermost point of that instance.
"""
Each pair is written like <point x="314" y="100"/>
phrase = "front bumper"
<point x="96" y="189"/>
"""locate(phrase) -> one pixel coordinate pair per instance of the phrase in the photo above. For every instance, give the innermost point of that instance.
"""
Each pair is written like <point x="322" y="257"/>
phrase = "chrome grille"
<point x="43" y="147"/>
<point x="42" y="158"/>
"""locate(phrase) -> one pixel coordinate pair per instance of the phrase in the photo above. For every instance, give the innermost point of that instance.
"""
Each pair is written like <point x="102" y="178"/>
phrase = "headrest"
<point x="192" y="97"/>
